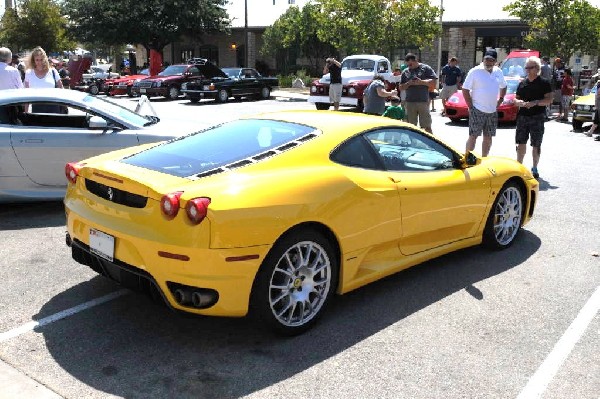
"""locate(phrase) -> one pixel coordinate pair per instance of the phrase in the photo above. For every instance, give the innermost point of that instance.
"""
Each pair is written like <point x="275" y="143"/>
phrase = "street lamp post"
<point x="439" y="65"/>
<point x="246" y="33"/>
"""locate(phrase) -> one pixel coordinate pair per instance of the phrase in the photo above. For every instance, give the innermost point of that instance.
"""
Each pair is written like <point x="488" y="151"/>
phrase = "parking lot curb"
<point x="15" y="384"/>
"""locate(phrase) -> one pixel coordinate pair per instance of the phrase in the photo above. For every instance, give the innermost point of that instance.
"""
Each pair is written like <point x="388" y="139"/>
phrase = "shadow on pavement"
<point x="133" y="348"/>
<point x="25" y="215"/>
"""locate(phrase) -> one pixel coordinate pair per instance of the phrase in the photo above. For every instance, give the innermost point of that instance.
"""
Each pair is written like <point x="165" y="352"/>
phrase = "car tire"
<point x="222" y="96"/>
<point x="265" y="93"/>
<point x="454" y="120"/>
<point x="322" y="106"/>
<point x="173" y="93"/>
<point x="295" y="282"/>
<point x="577" y="125"/>
<point x="505" y="218"/>
<point x="129" y="92"/>
<point x="94" y="90"/>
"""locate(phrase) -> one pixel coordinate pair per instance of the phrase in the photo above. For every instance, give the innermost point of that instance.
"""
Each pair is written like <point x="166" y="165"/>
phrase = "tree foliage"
<point x="378" y="26"/>
<point x="324" y="27"/>
<point x="559" y="27"/>
<point x="152" y="23"/>
<point x="297" y="29"/>
<point x="35" y="23"/>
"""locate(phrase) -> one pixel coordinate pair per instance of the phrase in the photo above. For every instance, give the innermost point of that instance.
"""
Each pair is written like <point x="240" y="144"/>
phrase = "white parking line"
<point x="539" y="381"/>
<point x="60" y="315"/>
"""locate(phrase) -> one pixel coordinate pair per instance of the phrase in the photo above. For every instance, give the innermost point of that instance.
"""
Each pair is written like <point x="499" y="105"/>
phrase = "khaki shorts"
<point x="335" y="92"/>
<point x="418" y="112"/>
<point x="447" y="91"/>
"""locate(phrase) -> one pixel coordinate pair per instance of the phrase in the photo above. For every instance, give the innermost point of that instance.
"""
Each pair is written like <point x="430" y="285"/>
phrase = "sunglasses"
<point x="530" y="67"/>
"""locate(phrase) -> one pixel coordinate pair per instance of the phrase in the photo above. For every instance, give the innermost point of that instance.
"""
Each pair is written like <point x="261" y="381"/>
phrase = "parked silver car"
<point x="65" y="126"/>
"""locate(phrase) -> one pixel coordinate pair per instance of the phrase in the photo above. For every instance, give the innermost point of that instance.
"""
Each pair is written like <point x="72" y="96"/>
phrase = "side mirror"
<point x="469" y="160"/>
<point x="97" y="123"/>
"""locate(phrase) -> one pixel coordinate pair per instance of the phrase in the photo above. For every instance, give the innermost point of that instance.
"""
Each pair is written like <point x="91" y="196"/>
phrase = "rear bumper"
<point x="140" y="263"/>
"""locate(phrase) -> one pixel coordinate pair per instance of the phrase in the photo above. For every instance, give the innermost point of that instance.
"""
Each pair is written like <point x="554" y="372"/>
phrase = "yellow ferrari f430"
<point x="275" y="214"/>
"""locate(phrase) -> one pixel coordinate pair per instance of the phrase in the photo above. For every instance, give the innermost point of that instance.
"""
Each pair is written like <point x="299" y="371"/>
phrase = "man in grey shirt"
<point x="416" y="80"/>
<point x="375" y="95"/>
<point x="546" y="73"/>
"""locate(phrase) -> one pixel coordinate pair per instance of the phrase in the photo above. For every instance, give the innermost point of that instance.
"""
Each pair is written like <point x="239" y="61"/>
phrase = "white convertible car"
<point x="65" y="126"/>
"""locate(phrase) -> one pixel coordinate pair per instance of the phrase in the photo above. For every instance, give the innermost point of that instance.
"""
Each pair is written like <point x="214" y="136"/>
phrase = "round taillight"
<point x="72" y="171"/>
<point x="169" y="204"/>
<point x="197" y="209"/>
<point x="313" y="89"/>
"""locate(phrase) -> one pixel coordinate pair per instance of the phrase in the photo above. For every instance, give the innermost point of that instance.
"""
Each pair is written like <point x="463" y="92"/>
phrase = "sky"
<point x="265" y="12"/>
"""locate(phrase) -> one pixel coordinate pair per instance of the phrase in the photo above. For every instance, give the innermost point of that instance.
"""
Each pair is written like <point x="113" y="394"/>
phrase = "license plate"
<point x="102" y="244"/>
<point x="142" y="90"/>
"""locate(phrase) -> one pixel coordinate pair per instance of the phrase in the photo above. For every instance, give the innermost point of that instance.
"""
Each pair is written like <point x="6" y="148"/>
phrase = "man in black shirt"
<point x="334" y="69"/>
<point x="533" y="94"/>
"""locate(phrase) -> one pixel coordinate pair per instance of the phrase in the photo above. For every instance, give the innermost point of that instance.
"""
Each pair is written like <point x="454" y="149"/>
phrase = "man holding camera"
<point x="334" y="69"/>
<point x="416" y="80"/>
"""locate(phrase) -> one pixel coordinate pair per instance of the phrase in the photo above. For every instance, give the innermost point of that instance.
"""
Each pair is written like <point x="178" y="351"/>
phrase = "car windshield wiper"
<point x="151" y="120"/>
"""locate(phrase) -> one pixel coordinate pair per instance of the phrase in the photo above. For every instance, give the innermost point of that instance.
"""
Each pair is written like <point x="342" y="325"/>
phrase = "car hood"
<point x="350" y="75"/>
<point x="163" y="78"/>
<point x="588" y="99"/>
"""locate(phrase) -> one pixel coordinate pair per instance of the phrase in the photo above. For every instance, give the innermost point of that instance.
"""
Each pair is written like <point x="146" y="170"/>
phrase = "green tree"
<point x="559" y="27"/>
<point x="295" y="34"/>
<point x="378" y="26"/>
<point x="36" y="23"/>
<point x="152" y="23"/>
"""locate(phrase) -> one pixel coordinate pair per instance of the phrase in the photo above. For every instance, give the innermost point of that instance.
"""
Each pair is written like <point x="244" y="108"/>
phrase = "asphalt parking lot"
<point x="473" y="324"/>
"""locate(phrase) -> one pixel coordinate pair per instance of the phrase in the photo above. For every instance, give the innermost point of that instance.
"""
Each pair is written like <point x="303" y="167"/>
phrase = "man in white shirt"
<point x="484" y="90"/>
<point x="10" y="77"/>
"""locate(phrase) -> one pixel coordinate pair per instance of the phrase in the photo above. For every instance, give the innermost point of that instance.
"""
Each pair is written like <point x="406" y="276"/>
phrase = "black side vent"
<point x="264" y="155"/>
<point x="115" y="195"/>
<point x="210" y="172"/>
<point x="307" y="137"/>
<point x="239" y="164"/>
<point x="287" y="146"/>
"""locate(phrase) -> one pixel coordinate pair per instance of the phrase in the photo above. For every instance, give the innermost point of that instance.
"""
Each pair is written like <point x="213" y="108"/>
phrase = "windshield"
<point x="173" y="70"/>
<point x="359" y="64"/>
<point x="514" y="67"/>
<point x="111" y="108"/>
<point x="212" y="148"/>
<point x="511" y="85"/>
<point x="232" y="72"/>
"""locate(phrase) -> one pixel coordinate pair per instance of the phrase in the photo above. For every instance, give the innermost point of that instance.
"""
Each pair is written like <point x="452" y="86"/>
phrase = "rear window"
<point x="225" y="146"/>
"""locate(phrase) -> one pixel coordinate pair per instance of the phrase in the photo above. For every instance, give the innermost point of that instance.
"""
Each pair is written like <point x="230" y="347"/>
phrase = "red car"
<point x="456" y="107"/>
<point x="123" y="84"/>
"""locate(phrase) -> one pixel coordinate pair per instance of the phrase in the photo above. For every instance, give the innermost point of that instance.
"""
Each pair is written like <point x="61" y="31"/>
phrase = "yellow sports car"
<point x="275" y="214"/>
<point x="583" y="109"/>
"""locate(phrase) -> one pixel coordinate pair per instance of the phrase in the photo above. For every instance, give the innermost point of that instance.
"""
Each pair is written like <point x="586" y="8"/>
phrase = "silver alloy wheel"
<point x="94" y="90"/>
<point x="507" y="215"/>
<point x="173" y="92"/>
<point x="223" y="95"/>
<point x="265" y="93"/>
<point x="300" y="283"/>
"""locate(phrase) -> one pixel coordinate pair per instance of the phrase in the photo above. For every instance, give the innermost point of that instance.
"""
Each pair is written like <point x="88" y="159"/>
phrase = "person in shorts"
<point x="451" y="79"/>
<point x="532" y="96"/>
<point x="334" y="68"/>
<point x="416" y="81"/>
<point x="566" y="91"/>
<point x="482" y="86"/>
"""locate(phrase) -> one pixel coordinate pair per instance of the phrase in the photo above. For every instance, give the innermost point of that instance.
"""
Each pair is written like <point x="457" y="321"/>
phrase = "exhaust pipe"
<point x="183" y="296"/>
<point x="200" y="300"/>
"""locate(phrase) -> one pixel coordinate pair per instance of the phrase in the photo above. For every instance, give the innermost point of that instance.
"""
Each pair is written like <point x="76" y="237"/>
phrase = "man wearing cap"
<point x="484" y="89"/>
<point x="10" y="78"/>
